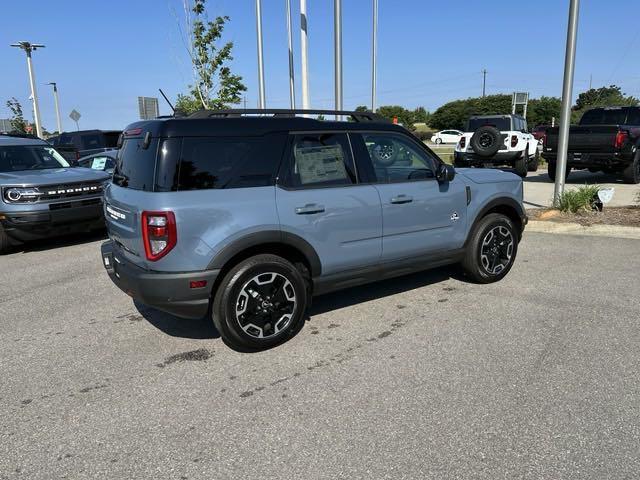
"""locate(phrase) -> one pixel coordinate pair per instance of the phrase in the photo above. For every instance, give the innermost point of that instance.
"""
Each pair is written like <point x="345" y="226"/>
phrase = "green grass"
<point x="578" y="199"/>
<point x="445" y="152"/>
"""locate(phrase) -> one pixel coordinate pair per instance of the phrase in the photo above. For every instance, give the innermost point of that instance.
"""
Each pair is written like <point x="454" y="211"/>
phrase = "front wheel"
<point x="5" y="242"/>
<point x="260" y="303"/>
<point x="491" y="249"/>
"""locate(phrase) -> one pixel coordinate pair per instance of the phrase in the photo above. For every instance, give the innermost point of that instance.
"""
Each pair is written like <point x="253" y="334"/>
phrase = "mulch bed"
<point x="627" y="216"/>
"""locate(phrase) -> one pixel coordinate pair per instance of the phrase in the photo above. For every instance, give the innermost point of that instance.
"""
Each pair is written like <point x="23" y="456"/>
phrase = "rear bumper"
<point x="73" y="217"/>
<point x="586" y="160"/>
<point x="471" y="159"/>
<point x="169" y="292"/>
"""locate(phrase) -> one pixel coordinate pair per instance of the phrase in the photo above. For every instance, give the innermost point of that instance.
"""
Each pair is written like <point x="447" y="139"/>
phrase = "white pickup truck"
<point x="496" y="140"/>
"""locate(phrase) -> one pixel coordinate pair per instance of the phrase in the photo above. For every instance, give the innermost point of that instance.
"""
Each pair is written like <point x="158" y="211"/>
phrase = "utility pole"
<point x="303" y="54"/>
<point x="374" y="55"/>
<point x="484" y="83"/>
<point x="590" y="81"/>
<point x="337" y="45"/>
<point x="261" y="100"/>
<point x="567" y="94"/>
<point x="292" y="83"/>
<point x="57" y="105"/>
<point x="28" y="48"/>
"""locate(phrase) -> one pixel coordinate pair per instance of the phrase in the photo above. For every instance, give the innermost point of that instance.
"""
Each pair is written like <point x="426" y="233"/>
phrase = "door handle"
<point x="310" y="208"/>
<point x="400" y="199"/>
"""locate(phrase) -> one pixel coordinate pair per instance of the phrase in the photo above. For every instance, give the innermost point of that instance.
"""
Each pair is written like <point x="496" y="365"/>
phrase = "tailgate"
<point x="585" y="139"/>
<point x="123" y="223"/>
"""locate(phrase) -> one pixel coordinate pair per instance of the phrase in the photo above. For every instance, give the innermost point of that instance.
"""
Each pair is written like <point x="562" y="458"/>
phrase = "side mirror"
<point x="445" y="173"/>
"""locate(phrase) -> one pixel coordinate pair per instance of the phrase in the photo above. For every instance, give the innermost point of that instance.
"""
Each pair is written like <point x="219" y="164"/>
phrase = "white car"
<point x="494" y="140"/>
<point x="446" y="136"/>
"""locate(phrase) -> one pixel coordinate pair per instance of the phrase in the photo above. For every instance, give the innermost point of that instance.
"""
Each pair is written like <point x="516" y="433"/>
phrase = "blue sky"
<point x="103" y="54"/>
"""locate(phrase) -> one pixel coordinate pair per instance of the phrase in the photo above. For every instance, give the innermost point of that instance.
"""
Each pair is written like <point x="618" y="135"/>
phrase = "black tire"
<point x="631" y="174"/>
<point x="477" y="262"/>
<point x="234" y="293"/>
<point x="486" y="141"/>
<point x="521" y="164"/>
<point x="535" y="163"/>
<point x="552" y="171"/>
<point x="5" y="241"/>
<point x="438" y="141"/>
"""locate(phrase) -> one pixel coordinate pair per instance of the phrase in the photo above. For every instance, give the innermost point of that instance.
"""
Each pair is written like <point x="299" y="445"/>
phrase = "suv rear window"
<point x="601" y="116"/>
<point x="501" y="123"/>
<point x="199" y="163"/>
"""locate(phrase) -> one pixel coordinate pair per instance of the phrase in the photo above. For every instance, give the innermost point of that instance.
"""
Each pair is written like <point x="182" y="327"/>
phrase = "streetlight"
<point x="374" y="55"/>
<point x="261" y="100"/>
<point x="28" y="48"/>
<point x="55" y="99"/>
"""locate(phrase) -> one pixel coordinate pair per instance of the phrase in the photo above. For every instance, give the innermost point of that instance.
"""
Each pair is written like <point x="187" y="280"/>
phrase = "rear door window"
<point x="229" y="162"/>
<point x="320" y="160"/>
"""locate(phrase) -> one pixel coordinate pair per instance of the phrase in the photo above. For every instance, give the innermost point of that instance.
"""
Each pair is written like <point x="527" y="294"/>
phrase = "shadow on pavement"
<point x="373" y="291"/>
<point x="576" y="177"/>
<point x="58" y="242"/>
<point x="201" y="329"/>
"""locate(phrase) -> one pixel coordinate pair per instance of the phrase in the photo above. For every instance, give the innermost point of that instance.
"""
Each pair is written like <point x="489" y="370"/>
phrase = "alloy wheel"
<point x="265" y="305"/>
<point x="496" y="250"/>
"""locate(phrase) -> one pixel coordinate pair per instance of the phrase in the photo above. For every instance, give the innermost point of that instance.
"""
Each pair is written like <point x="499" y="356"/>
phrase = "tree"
<point x="362" y="108"/>
<point x="455" y="114"/>
<point x="542" y="110"/>
<point x="214" y="85"/>
<point x="18" y="123"/>
<point x="420" y="115"/>
<point x="602" y="97"/>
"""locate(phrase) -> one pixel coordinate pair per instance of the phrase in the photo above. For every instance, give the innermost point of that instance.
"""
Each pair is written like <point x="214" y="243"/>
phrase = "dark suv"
<point x="245" y="218"/>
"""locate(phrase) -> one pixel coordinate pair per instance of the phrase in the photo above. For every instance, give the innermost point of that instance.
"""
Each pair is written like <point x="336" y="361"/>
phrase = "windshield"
<point x="15" y="158"/>
<point x="501" y="123"/>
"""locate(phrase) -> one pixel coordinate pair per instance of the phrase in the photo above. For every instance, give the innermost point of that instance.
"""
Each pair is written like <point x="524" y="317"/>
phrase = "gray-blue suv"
<point x="244" y="218"/>
<point x="41" y="195"/>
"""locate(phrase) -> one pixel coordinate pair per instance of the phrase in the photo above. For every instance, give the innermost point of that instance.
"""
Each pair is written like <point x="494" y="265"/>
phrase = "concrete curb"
<point x="616" y="231"/>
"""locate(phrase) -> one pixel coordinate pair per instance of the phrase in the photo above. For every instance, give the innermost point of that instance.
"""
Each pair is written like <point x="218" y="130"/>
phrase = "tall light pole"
<point x="374" y="55"/>
<point x="292" y="85"/>
<point x="337" y="45"/>
<point x="567" y="94"/>
<point x="55" y="100"/>
<point x="484" y="82"/>
<point x="303" y="54"/>
<point x="261" y="101"/>
<point x="28" y="48"/>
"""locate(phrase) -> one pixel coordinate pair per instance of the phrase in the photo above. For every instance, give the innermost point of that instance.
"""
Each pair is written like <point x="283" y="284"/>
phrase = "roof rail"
<point x="283" y="112"/>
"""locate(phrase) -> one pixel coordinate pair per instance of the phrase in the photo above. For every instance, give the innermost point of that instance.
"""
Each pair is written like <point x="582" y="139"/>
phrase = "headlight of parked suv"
<point x="21" y="194"/>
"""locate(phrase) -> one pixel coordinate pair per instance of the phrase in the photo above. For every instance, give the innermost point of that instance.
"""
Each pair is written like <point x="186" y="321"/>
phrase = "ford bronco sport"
<point x="41" y="196"/>
<point x="244" y="218"/>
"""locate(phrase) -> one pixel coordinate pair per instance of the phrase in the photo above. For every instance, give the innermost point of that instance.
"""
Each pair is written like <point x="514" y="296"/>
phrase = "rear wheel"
<point x="552" y="171"/>
<point x="521" y="163"/>
<point x="631" y="174"/>
<point x="5" y="242"/>
<point x="438" y="141"/>
<point x="260" y="303"/>
<point x="534" y="162"/>
<point x="492" y="249"/>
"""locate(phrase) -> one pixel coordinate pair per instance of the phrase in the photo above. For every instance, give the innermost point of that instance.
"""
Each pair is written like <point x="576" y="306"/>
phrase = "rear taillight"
<point x="463" y="142"/>
<point x="514" y="141"/>
<point x="158" y="233"/>
<point x="621" y="139"/>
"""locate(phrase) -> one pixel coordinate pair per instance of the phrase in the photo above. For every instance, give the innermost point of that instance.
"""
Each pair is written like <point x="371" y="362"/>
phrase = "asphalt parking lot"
<point x="421" y="377"/>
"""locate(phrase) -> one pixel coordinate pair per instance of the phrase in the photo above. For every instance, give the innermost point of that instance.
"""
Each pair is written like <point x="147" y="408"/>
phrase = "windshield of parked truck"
<point x="15" y="158"/>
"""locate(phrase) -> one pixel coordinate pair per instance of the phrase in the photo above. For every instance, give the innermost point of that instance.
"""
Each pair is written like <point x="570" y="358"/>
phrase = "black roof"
<point x="238" y="122"/>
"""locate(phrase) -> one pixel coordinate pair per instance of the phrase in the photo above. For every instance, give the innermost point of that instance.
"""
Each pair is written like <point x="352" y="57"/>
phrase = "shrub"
<point x="578" y="199"/>
<point x="424" y="134"/>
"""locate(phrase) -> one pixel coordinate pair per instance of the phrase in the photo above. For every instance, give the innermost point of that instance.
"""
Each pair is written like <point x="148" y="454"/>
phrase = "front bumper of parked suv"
<point x="174" y="293"/>
<point x="49" y="220"/>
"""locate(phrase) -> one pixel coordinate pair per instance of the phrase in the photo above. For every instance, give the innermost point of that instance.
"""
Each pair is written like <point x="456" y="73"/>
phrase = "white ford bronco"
<point x="493" y="140"/>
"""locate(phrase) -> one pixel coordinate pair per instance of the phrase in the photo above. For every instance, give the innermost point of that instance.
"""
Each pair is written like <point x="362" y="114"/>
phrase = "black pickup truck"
<point x="606" y="139"/>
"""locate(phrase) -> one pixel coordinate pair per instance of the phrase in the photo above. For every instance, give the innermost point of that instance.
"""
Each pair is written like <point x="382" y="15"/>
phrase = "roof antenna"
<point x="167" y="100"/>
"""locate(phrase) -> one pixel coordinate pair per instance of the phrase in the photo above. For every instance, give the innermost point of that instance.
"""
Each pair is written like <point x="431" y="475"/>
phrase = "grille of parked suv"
<point x="70" y="191"/>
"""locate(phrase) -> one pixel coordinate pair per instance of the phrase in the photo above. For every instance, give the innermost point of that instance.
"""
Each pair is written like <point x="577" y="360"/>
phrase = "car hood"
<point x="52" y="176"/>
<point x="487" y="175"/>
